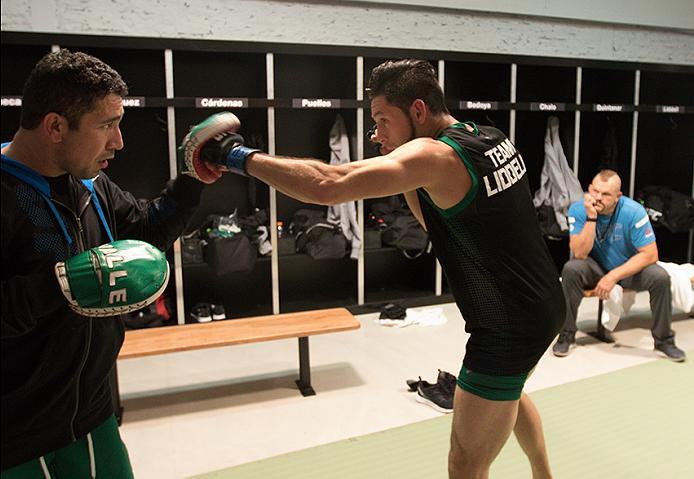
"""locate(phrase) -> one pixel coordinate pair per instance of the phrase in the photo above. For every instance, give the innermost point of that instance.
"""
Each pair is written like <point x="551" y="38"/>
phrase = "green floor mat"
<point x="636" y="423"/>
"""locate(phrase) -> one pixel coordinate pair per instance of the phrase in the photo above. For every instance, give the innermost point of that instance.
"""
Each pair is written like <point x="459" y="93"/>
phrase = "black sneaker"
<point x="201" y="313"/>
<point x="413" y="384"/>
<point x="564" y="344"/>
<point x="432" y="395"/>
<point x="218" y="312"/>
<point x="447" y="382"/>
<point x="670" y="351"/>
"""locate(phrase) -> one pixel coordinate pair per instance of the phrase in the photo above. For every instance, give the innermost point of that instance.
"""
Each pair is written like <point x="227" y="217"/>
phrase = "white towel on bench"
<point x="681" y="285"/>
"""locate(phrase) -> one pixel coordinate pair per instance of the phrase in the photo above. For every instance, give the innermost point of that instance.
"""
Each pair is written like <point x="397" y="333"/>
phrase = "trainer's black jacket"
<point x="55" y="363"/>
<point x="496" y="261"/>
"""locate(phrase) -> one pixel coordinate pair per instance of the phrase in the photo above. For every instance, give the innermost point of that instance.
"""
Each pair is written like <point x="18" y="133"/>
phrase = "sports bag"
<point x="316" y="237"/>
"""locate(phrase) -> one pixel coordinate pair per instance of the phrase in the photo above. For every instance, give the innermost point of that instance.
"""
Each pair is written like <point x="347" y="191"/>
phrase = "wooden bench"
<point x="149" y="342"/>
<point x="600" y="333"/>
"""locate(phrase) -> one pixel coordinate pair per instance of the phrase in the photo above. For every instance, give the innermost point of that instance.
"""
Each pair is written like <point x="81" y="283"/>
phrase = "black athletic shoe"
<point x="218" y="312"/>
<point x="447" y="382"/>
<point x="670" y="351"/>
<point x="413" y="384"/>
<point x="564" y="344"/>
<point x="432" y="395"/>
<point x="201" y="313"/>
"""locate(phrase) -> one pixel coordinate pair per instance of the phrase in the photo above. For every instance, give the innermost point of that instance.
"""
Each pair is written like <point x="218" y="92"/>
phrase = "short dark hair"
<point x="404" y="81"/>
<point x="69" y="84"/>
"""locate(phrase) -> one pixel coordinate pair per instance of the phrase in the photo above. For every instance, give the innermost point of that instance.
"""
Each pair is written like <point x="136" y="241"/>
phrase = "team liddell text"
<point x="509" y="165"/>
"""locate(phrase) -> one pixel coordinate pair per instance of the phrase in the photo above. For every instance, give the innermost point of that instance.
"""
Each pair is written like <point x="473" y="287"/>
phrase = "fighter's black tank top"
<point x="492" y="251"/>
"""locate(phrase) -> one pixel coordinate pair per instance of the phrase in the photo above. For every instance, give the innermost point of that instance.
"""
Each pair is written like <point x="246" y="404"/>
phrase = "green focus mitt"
<point x="113" y="278"/>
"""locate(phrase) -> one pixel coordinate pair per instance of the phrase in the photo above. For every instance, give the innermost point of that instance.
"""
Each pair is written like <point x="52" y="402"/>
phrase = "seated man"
<point x="612" y="242"/>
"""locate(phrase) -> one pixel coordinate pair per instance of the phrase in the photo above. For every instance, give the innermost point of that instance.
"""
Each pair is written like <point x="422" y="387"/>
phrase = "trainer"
<point x="612" y="242"/>
<point x="60" y="338"/>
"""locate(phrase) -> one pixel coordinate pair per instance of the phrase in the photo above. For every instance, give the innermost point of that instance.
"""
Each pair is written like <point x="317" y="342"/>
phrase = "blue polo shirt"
<point x="616" y="239"/>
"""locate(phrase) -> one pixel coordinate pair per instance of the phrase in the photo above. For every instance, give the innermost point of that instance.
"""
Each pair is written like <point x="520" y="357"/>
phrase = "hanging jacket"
<point x="344" y="214"/>
<point x="559" y="186"/>
<point x="55" y="363"/>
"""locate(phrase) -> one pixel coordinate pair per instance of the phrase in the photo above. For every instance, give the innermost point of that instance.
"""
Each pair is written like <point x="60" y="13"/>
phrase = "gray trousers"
<point x="581" y="274"/>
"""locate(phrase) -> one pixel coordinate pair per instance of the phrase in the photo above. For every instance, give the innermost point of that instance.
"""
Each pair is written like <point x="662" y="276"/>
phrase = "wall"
<point x="358" y="23"/>
<point x="666" y="13"/>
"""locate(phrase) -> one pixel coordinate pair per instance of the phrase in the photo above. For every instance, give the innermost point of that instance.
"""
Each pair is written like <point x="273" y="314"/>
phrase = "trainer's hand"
<point x="227" y="149"/>
<point x="191" y="146"/>
<point x="113" y="278"/>
<point x="605" y="286"/>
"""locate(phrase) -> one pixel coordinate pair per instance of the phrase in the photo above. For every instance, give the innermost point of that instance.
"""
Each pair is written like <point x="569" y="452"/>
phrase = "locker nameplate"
<point x="478" y="105"/>
<point x="539" y="106"/>
<point x="315" y="103"/>
<point x="220" y="102"/>
<point x="134" y="102"/>
<point x="609" y="107"/>
<point x="670" y="109"/>
<point x="11" y="101"/>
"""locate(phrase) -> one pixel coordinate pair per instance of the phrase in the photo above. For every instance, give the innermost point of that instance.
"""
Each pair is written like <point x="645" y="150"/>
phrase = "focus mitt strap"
<point x="113" y="278"/>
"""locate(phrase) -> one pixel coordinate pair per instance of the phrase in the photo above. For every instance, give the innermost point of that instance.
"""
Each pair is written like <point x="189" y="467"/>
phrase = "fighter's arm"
<point x="413" y="165"/>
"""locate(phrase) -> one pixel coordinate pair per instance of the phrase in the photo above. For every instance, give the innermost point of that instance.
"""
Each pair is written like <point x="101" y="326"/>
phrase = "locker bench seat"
<point x="153" y="341"/>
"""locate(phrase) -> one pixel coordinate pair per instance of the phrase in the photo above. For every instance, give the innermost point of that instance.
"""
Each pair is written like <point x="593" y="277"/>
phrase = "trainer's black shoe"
<point x="564" y="344"/>
<point x="201" y="313"/>
<point x="432" y="395"/>
<point x="670" y="351"/>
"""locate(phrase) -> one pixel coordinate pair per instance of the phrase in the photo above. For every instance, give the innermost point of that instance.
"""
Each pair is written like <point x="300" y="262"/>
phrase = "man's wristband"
<point x="236" y="159"/>
<point x="595" y="220"/>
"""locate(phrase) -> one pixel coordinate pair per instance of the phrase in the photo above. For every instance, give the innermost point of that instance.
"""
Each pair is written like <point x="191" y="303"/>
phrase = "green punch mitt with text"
<point x="114" y="278"/>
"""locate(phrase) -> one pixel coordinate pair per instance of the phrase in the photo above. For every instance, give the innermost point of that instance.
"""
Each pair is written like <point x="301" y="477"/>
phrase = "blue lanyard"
<point x="97" y="205"/>
<point x="39" y="183"/>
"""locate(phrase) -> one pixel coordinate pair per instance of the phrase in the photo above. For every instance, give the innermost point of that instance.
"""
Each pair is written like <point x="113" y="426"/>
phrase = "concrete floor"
<point x="199" y="411"/>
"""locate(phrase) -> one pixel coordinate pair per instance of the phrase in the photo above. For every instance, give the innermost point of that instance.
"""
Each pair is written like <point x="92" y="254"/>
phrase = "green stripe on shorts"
<point x="494" y="388"/>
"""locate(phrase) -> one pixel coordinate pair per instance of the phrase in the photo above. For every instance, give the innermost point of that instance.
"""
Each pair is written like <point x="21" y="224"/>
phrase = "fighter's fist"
<point x="227" y="149"/>
<point x="191" y="146"/>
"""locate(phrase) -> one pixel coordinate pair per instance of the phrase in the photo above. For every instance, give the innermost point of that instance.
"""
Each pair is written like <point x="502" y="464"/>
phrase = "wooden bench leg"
<point x="600" y="334"/>
<point x="115" y="394"/>
<point x="304" y="381"/>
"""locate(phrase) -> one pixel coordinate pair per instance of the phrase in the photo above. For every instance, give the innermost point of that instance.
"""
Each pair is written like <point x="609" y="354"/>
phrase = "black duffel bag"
<point x="316" y="237"/>
<point x="231" y="255"/>
<point x="405" y="233"/>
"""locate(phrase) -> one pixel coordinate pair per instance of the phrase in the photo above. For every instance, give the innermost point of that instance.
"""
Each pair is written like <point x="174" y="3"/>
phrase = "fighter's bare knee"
<point x="466" y="456"/>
